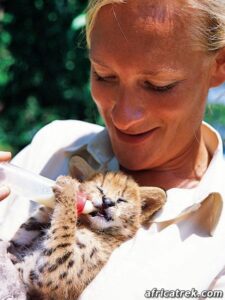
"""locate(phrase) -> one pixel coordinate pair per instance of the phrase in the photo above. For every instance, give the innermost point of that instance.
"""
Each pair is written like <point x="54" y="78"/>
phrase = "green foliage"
<point x="6" y="59"/>
<point x="215" y="114"/>
<point x="44" y="68"/>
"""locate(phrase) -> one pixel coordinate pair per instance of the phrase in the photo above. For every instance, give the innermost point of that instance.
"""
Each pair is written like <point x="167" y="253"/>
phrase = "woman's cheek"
<point x="102" y="95"/>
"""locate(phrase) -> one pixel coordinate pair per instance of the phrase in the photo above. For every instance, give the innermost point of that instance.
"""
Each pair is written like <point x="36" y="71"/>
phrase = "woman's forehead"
<point x="140" y="17"/>
<point x="148" y="13"/>
<point x="157" y="11"/>
<point x="124" y="25"/>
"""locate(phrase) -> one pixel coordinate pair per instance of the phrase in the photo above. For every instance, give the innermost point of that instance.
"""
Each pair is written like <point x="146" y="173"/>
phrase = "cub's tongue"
<point x="81" y="200"/>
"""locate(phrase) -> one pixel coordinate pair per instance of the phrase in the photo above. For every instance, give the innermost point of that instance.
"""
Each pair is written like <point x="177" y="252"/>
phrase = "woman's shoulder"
<point x="61" y="133"/>
<point x="67" y="128"/>
<point x="54" y="138"/>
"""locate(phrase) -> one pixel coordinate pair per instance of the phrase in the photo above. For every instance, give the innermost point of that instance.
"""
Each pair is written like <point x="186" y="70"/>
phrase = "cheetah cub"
<point x="61" y="263"/>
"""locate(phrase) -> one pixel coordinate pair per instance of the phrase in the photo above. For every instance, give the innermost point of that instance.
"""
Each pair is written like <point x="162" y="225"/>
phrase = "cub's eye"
<point x="100" y="190"/>
<point x="119" y="200"/>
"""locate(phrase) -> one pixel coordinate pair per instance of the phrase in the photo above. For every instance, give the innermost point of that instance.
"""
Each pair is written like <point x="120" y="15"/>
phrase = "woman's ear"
<point x="152" y="199"/>
<point x="218" y="73"/>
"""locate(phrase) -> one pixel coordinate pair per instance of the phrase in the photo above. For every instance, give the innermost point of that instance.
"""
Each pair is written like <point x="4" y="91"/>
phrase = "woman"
<point x="152" y="63"/>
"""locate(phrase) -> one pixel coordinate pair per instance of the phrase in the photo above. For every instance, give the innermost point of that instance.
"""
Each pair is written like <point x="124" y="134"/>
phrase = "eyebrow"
<point x="98" y="62"/>
<point x="163" y="71"/>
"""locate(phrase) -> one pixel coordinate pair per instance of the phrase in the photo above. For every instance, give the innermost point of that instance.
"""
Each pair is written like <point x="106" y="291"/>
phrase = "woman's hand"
<point x="4" y="190"/>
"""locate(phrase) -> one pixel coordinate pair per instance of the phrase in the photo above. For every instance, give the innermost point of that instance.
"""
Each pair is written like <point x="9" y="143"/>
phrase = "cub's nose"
<point x="107" y="202"/>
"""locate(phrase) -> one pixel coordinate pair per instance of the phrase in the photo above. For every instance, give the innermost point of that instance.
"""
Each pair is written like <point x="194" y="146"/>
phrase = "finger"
<point x="4" y="192"/>
<point x="5" y="155"/>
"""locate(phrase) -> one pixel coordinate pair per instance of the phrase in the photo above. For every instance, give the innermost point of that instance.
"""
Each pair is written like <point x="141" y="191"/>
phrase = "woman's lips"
<point x="134" y="138"/>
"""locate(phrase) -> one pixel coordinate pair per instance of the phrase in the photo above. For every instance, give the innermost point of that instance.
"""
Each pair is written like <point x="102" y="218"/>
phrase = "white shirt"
<point x="183" y="248"/>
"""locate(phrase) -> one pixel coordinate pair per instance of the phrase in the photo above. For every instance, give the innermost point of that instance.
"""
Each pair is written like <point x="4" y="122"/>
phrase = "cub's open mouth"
<point x="101" y="213"/>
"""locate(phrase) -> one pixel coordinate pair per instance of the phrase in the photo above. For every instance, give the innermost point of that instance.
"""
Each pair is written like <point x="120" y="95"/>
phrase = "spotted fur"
<point x="58" y="255"/>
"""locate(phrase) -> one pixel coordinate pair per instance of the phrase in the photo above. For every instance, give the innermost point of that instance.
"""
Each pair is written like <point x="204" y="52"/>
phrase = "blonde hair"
<point x="208" y="22"/>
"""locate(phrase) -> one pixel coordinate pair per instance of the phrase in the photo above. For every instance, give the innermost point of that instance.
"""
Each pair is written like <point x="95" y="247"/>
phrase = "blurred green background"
<point x="44" y="70"/>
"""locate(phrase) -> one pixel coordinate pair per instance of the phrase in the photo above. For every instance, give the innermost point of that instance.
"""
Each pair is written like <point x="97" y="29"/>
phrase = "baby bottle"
<point x="36" y="187"/>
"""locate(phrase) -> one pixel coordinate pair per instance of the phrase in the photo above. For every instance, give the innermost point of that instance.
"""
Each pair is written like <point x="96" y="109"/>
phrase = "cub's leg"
<point x="48" y="270"/>
<point x="29" y="233"/>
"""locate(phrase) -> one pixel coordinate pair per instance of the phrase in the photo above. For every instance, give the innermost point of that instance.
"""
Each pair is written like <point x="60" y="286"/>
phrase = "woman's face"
<point x="148" y="82"/>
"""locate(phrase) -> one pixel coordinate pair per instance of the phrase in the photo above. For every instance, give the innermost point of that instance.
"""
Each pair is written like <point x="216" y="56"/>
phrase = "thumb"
<point x="4" y="192"/>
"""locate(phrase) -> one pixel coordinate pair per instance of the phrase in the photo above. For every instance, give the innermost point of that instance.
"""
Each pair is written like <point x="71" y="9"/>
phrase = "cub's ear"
<point x="80" y="169"/>
<point x="152" y="199"/>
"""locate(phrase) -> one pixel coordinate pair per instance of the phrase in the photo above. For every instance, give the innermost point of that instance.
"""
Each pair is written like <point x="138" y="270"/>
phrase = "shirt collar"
<point x="101" y="149"/>
<point x="183" y="203"/>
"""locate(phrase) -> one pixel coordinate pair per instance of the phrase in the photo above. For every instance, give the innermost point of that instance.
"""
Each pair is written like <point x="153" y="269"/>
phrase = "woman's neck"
<point x="184" y="171"/>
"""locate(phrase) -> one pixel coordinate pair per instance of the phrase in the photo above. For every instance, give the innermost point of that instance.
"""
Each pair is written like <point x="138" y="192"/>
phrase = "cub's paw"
<point x="65" y="190"/>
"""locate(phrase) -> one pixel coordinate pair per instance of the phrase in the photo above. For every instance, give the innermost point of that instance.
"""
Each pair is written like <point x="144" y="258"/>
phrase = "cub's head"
<point x="121" y="205"/>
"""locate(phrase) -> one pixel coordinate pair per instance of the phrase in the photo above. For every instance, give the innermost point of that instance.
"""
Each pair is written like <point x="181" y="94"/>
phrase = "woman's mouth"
<point x="135" y="138"/>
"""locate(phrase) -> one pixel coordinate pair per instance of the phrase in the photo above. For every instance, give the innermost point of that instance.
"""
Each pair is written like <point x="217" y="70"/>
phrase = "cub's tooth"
<point x="88" y="207"/>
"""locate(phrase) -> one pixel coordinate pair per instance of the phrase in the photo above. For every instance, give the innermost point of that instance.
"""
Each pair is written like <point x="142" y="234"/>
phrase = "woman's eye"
<point x="109" y="78"/>
<point x="155" y="88"/>
<point x="119" y="200"/>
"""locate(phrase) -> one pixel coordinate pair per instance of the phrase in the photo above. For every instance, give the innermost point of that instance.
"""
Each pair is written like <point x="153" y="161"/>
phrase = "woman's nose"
<point x="128" y="111"/>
